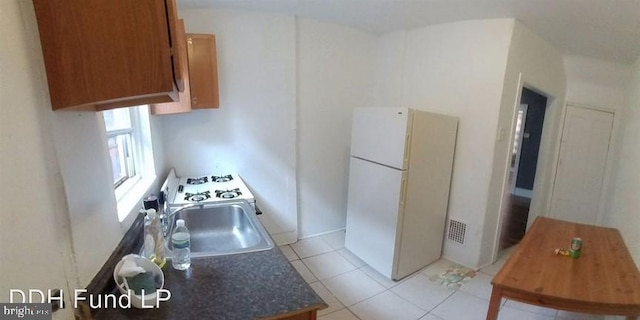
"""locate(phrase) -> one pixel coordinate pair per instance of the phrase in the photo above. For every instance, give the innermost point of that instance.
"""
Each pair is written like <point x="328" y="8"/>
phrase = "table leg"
<point x="494" y="303"/>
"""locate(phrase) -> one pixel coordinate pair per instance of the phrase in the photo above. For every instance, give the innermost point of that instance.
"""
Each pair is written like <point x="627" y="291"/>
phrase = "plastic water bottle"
<point x="180" y="243"/>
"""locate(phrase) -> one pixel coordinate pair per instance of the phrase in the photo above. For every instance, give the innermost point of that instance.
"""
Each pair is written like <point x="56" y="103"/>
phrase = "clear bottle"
<point x="180" y="246"/>
<point x="153" y="239"/>
<point x="148" y="237"/>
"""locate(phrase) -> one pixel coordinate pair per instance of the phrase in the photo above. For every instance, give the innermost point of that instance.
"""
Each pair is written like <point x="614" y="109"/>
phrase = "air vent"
<point x="457" y="231"/>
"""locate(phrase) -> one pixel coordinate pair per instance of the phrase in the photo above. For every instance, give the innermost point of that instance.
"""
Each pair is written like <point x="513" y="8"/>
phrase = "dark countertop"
<point x="241" y="286"/>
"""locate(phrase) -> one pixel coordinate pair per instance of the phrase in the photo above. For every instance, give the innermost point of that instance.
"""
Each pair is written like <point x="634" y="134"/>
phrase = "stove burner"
<point x="228" y="194"/>
<point x="226" y="178"/>
<point x="200" y="180"/>
<point x="197" y="197"/>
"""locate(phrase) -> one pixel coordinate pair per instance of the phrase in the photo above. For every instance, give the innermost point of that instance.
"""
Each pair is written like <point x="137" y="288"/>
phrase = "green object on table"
<point x="142" y="281"/>
<point x="574" y="253"/>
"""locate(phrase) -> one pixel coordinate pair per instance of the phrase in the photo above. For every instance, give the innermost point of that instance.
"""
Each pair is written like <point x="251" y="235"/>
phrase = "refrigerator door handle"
<point x="407" y="144"/>
<point x="403" y="192"/>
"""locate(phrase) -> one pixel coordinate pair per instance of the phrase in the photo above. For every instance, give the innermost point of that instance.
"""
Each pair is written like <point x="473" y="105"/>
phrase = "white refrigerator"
<point x="399" y="179"/>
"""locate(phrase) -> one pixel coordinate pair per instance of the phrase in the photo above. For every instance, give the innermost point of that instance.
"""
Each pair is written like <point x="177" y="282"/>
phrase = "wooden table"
<point x="603" y="280"/>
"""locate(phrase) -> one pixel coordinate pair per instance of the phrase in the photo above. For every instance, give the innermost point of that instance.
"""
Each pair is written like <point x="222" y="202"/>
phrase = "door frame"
<point x="606" y="181"/>
<point x="543" y="179"/>
<point x="516" y="166"/>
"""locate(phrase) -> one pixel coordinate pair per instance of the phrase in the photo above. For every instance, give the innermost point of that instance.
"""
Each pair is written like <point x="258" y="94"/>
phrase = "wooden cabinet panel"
<point x="102" y="54"/>
<point x="184" y="105"/>
<point x="203" y="71"/>
<point x="307" y="315"/>
<point x="177" y="38"/>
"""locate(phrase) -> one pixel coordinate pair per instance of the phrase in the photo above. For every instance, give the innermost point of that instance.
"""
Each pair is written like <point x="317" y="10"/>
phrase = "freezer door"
<point x="381" y="135"/>
<point x="374" y="207"/>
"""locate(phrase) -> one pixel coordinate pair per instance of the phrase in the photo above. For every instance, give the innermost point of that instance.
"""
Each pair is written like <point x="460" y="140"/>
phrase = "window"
<point x="120" y="140"/>
<point x="130" y="152"/>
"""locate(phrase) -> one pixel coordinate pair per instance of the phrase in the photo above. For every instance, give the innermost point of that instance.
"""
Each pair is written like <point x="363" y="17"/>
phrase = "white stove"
<point x="206" y="189"/>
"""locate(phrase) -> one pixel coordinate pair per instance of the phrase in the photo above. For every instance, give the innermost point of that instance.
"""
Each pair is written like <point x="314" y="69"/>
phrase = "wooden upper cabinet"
<point x="184" y="103"/>
<point x="176" y="37"/>
<point x="104" y="54"/>
<point x="203" y="71"/>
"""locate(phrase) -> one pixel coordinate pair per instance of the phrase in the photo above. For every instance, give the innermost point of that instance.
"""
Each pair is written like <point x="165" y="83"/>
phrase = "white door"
<point x="380" y="135"/>
<point x="584" y="149"/>
<point x="375" y="193"/>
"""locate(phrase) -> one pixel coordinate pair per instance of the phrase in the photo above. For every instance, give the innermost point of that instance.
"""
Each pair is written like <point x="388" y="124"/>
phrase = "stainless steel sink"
<point x="222" y="229"/>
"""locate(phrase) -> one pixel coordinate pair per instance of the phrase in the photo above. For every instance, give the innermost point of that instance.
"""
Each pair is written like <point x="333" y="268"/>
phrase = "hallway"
<point x="515" y="223"/>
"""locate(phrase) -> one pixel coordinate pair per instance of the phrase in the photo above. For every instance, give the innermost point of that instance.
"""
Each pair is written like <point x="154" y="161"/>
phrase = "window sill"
<point x="133" y="197"/>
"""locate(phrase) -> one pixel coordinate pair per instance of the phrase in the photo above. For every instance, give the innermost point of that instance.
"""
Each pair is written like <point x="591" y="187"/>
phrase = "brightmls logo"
<point x="25" y="311"/>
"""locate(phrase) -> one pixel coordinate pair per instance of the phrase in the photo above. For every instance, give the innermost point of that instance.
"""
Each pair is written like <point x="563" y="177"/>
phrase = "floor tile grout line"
<point x="555" y="311"/>
<point x="329" y="278"/>
<point x="308" y="239"/>
<point x="344" y="256"/>
<point x="336" y="251"/>
<point x="353" y="313"/>
<point x="397" y="295"/>
<point x="392" y="292"/>
<point x="441" y="302"/>
<point x="395" y="284"/>
<point x="378" y="282"/>
<point x="313" y="255"/>
<point x="306" y="265"/>
<point x="342" y="302"/>
<point x="418" y="273"/>
<point x="384" y="285"/>
<point x="415" y="305"/>
<point x="332" y="295"/>
<point x="332" y="312"/>
<point x="296" y="255"/>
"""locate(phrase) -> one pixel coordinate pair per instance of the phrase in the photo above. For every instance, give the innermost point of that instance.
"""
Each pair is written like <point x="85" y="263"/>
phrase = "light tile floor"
<point x="353" y="290"/>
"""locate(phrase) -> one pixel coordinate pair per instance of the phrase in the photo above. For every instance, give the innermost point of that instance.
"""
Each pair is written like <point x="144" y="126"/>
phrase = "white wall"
<point x="285" y="99"/>
<point x="276" y="98"/>
<point x="458" y="69"/>
<point x="623" y="212"/>
<point x="59" y="219"/>
<point x="33" y="247"/>
<point x="596" y="82"/>
<point x="388" y="70"/>
<point x="81" y="150"/>
<point x="253" y="132"/>
<point x="334" y="72"/>
<point x="603" y="85"/>
<point x="533" y="63"/>
<point x="92" y="208"/>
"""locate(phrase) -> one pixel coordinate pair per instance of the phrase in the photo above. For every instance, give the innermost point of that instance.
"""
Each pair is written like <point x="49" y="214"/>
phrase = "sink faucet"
<point x="166" y="218"/>
<point x="168" y="215"/>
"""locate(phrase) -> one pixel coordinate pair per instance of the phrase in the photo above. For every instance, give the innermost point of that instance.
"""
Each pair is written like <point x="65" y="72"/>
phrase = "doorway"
<point x="582" y="162"/>
<point x="524" y="159"/>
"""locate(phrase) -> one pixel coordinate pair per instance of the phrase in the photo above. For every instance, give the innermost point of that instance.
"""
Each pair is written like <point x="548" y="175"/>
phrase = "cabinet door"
<point x="203" y="71"/>
<point x="177" y="37"/>
<point x="110" y="53"/>
<point x="184" y="105"/>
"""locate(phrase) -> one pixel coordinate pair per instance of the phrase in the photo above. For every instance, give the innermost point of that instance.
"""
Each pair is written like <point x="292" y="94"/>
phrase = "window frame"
<point x="129" y="192"/>
<point x="130" y="153"/>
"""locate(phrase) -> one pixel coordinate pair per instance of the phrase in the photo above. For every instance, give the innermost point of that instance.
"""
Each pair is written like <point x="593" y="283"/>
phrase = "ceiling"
<point x="602" y="29"/>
